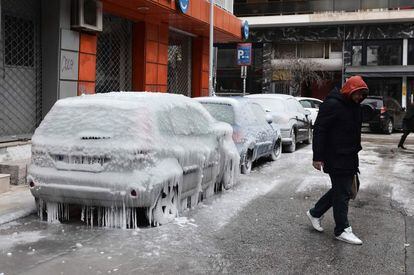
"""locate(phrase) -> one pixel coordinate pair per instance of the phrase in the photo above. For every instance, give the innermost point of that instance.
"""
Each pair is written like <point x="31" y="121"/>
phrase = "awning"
<point x="380" y="71"/>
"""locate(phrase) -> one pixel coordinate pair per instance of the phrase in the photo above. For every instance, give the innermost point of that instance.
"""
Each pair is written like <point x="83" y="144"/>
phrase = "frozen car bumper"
<point x="286" y="138"/>
<point x="100" y="189"/>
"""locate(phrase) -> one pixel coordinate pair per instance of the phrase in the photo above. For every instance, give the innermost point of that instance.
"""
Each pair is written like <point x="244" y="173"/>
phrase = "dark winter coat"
<point x="408" y="121"/>
<point x="337" y="134"/>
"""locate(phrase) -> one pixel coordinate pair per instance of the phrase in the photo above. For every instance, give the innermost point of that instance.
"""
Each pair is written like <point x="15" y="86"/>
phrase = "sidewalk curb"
<point x="16" y="204"/>
<point x="409" y="250"/>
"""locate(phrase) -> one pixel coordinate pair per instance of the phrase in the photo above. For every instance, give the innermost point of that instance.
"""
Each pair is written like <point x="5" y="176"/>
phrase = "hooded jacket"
<point x="337" y="131"/>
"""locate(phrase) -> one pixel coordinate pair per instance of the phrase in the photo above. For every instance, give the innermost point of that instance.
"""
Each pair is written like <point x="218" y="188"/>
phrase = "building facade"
<point x="144" y="45"/>
<point x="334" y="39"/>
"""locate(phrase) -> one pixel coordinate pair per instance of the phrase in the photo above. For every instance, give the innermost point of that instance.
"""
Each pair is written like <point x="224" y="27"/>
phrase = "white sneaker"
<point x="316" y="222"/>
<point x="349" y="237"/>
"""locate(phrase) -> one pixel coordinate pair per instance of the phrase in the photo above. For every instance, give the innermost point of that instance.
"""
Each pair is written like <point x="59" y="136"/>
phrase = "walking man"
<point x="336" y="143"/>
<point x="408" y="125"/>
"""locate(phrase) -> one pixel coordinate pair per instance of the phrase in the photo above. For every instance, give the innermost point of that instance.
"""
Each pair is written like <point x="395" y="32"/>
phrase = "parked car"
<point x="387" y="114"/>
<point x="119" y="155"/>
<point x="310" y="104"/>
<point x="294" y="121"/>
<point x="252" y="133"/>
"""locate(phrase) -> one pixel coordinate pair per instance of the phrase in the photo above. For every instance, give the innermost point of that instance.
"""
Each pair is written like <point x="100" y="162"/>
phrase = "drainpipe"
<point x="211" y="49"/>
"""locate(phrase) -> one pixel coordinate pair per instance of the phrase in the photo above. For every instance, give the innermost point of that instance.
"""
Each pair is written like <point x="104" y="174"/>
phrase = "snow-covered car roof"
<point x="281" y="96"/>
<point x="238" y="104"/>
<point x="308" y="98"/>
<point x="116" y="115"/>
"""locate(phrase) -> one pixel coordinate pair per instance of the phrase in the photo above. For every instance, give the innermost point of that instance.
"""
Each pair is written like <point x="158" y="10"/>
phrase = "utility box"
<point x="4" y="183"/>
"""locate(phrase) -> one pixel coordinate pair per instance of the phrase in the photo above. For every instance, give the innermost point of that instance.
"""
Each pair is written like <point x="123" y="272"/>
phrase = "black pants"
<point x="403" y="137"/>
<point x="338" y="198"/>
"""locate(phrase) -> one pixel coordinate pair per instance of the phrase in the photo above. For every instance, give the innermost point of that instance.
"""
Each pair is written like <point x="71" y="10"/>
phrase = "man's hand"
<point x="318" y="165"/>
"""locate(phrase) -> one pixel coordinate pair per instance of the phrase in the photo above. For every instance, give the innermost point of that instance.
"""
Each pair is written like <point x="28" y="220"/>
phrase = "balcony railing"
<point x="284" y="7"/>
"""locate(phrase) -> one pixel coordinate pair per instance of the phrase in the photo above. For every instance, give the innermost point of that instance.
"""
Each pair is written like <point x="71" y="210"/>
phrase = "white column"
<point x="405" y="52"/>
<point x="404" y="92"/>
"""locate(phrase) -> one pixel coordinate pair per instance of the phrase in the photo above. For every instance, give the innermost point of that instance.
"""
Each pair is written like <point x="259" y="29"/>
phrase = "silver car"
<point x="121" y="155"/>
<point x="294" y="121"/>
<point x="252" y="133"/>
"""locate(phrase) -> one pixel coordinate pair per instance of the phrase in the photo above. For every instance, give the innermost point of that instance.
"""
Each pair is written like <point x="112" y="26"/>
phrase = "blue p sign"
<point x="244" y="54"/>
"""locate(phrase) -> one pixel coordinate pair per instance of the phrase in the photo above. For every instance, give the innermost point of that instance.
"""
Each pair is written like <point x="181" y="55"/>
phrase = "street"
<point x="259" y="226"/>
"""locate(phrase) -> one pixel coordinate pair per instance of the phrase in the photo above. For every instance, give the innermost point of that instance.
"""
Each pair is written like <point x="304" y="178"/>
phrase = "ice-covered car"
<point x="252" y="133"/>
<point x="123" y="155"/>
<point x="312" y="105"/>
<point x="294" y="121"/>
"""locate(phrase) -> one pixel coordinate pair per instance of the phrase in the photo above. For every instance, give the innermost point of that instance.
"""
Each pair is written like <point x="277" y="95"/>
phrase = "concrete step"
<point x="4" y="183"/>
<point x="16" y="169"/>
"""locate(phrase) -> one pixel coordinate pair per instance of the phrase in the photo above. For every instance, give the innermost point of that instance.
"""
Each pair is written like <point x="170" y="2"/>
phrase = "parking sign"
<point x="244" y="54"/>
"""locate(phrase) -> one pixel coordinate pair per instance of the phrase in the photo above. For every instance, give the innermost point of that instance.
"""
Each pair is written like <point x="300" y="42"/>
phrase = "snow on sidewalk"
<point x="16" y="203"/>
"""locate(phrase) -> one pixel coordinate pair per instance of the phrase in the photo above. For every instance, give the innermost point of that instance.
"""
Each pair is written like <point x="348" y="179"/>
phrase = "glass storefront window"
<point x="372" y="55"/>
<point x="391" y="87"/>
<point x="410" y="90"/>
<point x="311" y="50"/>
<point x="410" y="60"/>
<point x="357" y="55"/>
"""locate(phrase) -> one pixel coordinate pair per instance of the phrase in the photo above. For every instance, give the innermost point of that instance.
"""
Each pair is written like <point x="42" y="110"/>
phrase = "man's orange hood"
<point x="353" y="84"/>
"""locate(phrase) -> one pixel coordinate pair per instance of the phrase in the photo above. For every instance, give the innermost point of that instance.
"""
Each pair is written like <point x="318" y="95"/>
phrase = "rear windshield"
<point x="270" y="104"/>
<point x="374" y="102"/>
<point x="220" y="111"/>
<point x="101" y="121"/>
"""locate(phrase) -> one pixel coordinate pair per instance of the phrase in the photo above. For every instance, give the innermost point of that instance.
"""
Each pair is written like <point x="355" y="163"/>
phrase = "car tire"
<point x="246" y="166"/>
<point x="310" y="136"/>
<point x="292" y="147"/>
<point x="389" y="127"/>
<point x="166" y="207"/>
<point x="276" y="150"/>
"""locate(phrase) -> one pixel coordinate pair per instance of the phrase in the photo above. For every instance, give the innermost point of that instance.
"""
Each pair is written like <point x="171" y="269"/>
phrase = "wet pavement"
<point x="260" y="226"/>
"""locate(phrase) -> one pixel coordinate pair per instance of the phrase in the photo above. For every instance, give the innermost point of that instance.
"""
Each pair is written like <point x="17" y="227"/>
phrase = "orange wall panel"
<point x="163" y="34"/>
<point x="87" y="67"/>
<point x="87" y="43"/>
<point x="204" y="80"/>
<point x="151" y="51"/>
<point x="151" y="32"/>
<point x="162" y="88"/>
<point x="162" y="76"/>
<point x="151" y="74"/>
<point x="86" y="87"/>
<point x="163" y="54"/>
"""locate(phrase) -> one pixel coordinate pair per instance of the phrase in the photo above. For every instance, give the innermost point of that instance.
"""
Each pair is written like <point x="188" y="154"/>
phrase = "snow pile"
<point x="93" y="150"/>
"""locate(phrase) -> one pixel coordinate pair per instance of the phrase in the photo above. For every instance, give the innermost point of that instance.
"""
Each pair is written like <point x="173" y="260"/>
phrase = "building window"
<point x="285" y="51"/>
<point x="410" y="60"/>
<point x="19" y="41"/>
<point x="356" y="55"/>
<point x="336" y="46"/>
<point x="311" y="50"/>
<point x="382" y="53"/>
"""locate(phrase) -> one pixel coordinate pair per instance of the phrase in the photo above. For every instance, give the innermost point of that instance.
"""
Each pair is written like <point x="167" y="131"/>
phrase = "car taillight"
<point x="383" y="110"/>
<point x="237" y="136"/>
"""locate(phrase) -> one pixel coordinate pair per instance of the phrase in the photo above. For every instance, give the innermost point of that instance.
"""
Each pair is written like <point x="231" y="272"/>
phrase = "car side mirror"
<point x="269" y="118"/>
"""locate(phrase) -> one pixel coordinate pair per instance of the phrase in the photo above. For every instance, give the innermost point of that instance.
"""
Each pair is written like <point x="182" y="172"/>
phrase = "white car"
<point x="121" y="155"/>
<point x="310" y="104"/>
<point x="253" y="134"/>
<point x="289" y="115"/>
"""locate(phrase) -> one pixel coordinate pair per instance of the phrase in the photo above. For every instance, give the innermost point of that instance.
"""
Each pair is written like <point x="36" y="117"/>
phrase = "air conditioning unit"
<point x="86" y="15"/>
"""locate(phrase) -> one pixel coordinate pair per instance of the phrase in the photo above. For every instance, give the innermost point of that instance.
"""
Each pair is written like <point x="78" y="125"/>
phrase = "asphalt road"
<point x="260" y="226"/>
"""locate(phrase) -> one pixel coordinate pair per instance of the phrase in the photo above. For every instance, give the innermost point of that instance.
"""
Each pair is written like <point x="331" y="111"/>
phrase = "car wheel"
<point x="309" y="140"/>
<point x="292" y="147"/>
<point x="166" y="207"/>
<point x="389" y="127"/>
<point x="246" y="166"/>
<point x="277" y="150"/>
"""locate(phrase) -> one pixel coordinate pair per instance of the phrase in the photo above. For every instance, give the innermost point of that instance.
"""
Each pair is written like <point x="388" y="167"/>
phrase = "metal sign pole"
<point x="210" y="71"/>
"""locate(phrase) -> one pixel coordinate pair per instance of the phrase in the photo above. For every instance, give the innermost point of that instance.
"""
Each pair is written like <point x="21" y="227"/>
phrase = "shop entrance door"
<point x="20" y="69"/>
<point x="179" y="64"/>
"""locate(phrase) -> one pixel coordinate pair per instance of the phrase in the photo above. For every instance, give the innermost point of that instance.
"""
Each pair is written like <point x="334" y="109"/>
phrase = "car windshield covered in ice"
<point x="119" y="155"/>
<point x="252" y="134"/>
